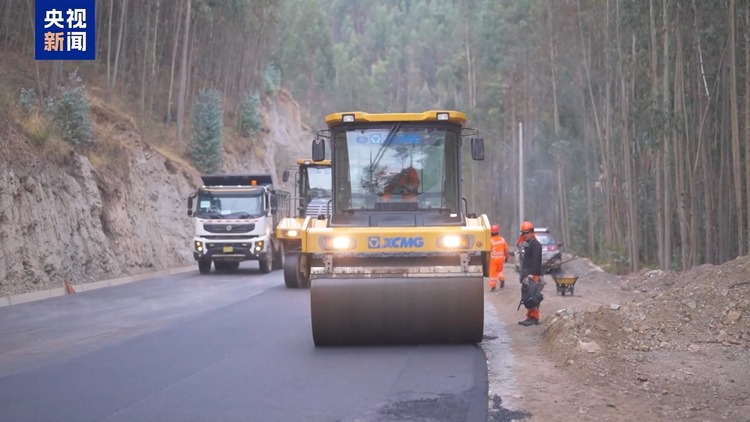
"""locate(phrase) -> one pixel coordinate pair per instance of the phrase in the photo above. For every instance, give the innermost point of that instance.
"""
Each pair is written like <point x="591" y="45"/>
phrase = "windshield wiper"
<point x="381" y="152"/>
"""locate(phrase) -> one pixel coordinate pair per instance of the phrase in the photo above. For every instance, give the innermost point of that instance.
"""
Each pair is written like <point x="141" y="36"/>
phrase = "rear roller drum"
<point x="295" y="275"/>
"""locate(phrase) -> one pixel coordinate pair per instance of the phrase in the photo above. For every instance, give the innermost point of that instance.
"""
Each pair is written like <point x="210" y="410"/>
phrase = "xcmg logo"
<point x="377" y="242"/>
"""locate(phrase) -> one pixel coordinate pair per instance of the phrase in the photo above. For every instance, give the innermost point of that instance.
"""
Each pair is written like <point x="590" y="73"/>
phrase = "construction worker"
<point x="405" y="183"/>
<point x="498" y="255"/>
<point x="531" y="274"/>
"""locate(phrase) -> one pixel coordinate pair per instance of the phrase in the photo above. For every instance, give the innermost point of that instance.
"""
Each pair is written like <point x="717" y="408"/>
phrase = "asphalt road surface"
<point x="217" y="347"/>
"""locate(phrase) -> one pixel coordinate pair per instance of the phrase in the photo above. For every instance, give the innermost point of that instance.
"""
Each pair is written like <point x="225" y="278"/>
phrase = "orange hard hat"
<point x="495" y="229"/>
<point x="527" y="227"/>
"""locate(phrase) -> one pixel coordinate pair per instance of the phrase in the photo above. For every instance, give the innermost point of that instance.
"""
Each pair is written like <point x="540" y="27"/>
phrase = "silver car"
<point x="551" y="251"/>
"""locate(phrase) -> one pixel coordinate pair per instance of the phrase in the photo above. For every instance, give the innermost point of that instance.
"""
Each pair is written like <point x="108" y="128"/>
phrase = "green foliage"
<point x="206" y="144"/>
<point x="272" y="80"/>
<point x="73" y="116"/>
<point x="251" y="119"/>
<point x="27" y="99"/>
<point x="49" y="105"/>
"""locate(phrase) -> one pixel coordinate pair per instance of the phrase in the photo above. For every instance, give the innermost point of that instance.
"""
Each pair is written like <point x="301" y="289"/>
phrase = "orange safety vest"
<point x="499" y="248"/>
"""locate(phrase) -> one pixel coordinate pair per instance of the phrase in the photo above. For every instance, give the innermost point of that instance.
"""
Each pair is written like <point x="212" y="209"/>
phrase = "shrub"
<point x="206" y="147"/>
<point x="73" y="116"/>
<point x="251" y="119"/>
<point x="272" y="80"/>
<point x="27" y="99"/>
<point x="49" y="105"/>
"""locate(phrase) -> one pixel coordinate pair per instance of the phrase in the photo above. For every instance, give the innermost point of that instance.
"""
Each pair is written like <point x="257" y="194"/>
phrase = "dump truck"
<point x="312" y="188"/>
<point x="235" y="220"/>
<point x="399" y="260"/>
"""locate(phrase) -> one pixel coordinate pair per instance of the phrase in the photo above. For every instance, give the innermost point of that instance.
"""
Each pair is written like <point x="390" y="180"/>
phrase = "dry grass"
<point x="38" y="128"/>
<point x="117" y="129"/>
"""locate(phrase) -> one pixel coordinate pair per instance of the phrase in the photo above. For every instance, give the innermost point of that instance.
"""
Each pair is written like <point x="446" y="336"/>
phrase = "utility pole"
<point x="520" y="174"/>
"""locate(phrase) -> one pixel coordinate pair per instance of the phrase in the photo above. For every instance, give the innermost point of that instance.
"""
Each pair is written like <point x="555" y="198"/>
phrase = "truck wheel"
<point x="204" y="266"/>
<point x="266" y="263"/>
<point x="278" y="259"/>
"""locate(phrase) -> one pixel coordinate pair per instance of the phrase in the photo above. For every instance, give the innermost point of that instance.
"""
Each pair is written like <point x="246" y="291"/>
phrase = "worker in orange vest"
<point x="498" y="255"/>
<point x="405" y="183"/>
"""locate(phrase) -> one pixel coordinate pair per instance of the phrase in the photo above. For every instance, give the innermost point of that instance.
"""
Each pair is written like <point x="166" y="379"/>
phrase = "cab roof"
<point x="336" y="119"/>
<point x="213" y="180"/>
<point x="310" y="162"/>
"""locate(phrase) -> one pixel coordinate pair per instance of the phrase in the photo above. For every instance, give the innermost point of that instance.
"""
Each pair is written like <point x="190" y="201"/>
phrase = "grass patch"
<point x="38" y="128"/>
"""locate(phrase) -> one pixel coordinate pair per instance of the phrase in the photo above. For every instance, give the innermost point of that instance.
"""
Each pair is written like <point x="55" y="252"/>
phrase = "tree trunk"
<point x="666" y="148"/>
<point x="109" y="44"/>
<point x="145" y="60"/>
<point x="747" y="119"/>
<point x="123" y="12"/>
<point x="169" y="117"/>
<point x="734" y="121"/>
<point x="154" y="60"/>
<point x="631" y="200"/>
<point x="680" y="140"/>
<point x="183" y="75"/>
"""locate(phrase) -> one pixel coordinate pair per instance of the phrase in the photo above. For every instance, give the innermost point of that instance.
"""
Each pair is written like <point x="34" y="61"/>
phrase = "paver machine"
<point x="399" y="260"/>
<point x="312" y="187"/>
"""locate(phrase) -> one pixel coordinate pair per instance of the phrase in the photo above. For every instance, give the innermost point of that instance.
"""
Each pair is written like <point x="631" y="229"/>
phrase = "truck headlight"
<point x="259" y="246"/>
<point x="199" y="246"/>
<point x="340" y="243"/>
<point x="454" y="241"/>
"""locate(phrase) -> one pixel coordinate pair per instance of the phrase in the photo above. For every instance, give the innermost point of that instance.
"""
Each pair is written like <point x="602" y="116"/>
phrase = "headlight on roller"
<point x="454" y="241"/>
<point x="338" y="243"/>
<point x="292" y="233"/>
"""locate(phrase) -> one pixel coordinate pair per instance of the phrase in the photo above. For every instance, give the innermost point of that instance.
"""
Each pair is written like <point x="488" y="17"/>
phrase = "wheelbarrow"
<point x="565" y="283"/>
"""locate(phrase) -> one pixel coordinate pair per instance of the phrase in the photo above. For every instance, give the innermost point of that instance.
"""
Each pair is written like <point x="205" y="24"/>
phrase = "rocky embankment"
<point x="65" y="220"/>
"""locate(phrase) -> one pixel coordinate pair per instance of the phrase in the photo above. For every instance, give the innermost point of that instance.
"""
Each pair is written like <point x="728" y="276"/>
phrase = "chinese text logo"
<point x="65" y="30"/>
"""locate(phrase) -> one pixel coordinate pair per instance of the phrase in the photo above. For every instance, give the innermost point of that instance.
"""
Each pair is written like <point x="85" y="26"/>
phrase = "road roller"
<point x="312" y="189"/>
<point x="399" y="259"/>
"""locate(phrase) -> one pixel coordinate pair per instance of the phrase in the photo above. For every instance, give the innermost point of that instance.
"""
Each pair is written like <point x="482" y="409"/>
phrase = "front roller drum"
<point x="397" y="310"/>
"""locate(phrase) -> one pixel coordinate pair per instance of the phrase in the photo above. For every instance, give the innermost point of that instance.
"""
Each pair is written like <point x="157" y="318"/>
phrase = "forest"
<point x="636" y="114"/>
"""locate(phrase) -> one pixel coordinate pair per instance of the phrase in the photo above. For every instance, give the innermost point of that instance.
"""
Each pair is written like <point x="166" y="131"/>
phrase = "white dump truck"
<point x="235" y="220"/>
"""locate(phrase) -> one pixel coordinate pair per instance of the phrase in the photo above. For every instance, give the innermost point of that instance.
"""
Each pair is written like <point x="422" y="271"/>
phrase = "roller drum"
<point x="397" y="310"/>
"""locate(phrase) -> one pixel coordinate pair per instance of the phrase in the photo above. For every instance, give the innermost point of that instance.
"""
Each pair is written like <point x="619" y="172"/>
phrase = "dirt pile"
<point x="682" y="343"/>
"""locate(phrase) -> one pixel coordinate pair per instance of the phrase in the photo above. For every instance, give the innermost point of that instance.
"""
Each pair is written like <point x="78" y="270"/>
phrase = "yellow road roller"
<point x="399" y="260"/>
<point x="312" y="197"/>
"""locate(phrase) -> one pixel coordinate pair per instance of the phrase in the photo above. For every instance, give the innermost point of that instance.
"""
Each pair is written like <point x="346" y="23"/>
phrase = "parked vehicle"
<point x="551" y="251"/>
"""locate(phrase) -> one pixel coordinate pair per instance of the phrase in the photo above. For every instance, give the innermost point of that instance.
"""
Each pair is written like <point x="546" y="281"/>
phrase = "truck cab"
<point x="235" y="217"/>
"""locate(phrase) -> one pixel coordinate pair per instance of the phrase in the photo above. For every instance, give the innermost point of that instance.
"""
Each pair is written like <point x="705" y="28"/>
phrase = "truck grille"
<point x="228" y="228"/>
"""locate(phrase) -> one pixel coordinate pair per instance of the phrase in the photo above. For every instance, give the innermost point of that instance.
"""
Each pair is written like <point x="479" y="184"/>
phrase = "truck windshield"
<point x="229" y="204"/>
<point x="388" y="164"/>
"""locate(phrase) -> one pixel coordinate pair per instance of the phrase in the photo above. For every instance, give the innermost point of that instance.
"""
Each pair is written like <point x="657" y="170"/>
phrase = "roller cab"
<point x="398" y="260"/>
